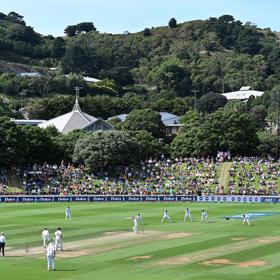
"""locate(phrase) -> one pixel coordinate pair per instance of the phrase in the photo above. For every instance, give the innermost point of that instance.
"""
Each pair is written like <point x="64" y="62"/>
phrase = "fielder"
<point x="50" y="253"/>
<point x="45" y="236"/>
<point x="140" y="219"/>
<point x="135" y="227"/>
<point x="2" y="243"/>
<point x="246" y="219"/>
<point x="68" y="214"/>
<point x="187" y="214"/>
<point x="135" y="221"/>
<point x="204" y="216"/>
<point x="58" y="239"/>
<point x="166" y="216"/>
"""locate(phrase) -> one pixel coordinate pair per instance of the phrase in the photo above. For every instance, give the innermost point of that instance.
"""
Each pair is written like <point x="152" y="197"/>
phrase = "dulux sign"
<point x="148" y="198"/>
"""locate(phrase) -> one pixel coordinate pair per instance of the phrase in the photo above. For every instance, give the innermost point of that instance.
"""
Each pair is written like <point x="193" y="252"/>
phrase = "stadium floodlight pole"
<point x="195" y="91"/>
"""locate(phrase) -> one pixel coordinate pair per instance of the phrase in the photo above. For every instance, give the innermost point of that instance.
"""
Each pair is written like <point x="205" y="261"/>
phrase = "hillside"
<point x="180" y="69"/>
<point x="157" y="67"/>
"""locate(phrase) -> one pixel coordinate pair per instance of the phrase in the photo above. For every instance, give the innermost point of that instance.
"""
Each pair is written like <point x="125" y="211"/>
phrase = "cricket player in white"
<point x="187" y="214"/>
<point x="140" y="219"/>
<point x="135" y="223"/>
<point x="45" y="236"/>
<point x="50" y="253"/>
<point x="135" y="227"/>
<point x="166" y="216"/>
<point x="246" y="219"/>
<point x="68" y="214"/>
<point x="58" y="239"/>
<point x="204" y="216"/>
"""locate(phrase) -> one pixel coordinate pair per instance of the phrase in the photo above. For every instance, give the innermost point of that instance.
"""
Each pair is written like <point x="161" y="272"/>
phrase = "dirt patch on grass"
<point x="238" y="238"/>
<point x="206" y="255"/>
<point x="175" y="261"/>
<point x="222" y="262"/>
<point x="268" y="240"/>
<point x="252" y="263"/>
<point x="140" y="257"/>
<point x="217" y="262"/>
<point x="72" y="254"/>
<point x="113" y="232"/>
<point x="105" y="243"/>
<point x="27" y="251"/>
<point x="179" y="235"/>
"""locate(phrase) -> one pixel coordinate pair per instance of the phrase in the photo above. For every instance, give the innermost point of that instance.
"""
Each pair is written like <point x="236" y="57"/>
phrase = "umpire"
<point x="2" y="243"/>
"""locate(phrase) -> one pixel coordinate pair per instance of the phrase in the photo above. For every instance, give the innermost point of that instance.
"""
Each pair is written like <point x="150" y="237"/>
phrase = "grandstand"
<point x="188" y="176"/>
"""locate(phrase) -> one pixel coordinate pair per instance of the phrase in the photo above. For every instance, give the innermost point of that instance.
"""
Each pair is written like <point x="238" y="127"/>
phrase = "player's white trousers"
<point x="58" y="243"/>
<point x="135" y="229"/>
<point x="45" y="239"/>
<point x="166" y="217"/>
<point x="186" y="216"/>
<point x="50" y="261"/>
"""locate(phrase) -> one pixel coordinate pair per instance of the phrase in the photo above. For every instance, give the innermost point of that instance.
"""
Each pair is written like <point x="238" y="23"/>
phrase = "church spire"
<point x="77" y="106"/>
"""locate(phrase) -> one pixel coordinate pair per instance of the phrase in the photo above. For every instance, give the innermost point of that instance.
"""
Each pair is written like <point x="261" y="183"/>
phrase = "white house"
<point x="243" y="94"/>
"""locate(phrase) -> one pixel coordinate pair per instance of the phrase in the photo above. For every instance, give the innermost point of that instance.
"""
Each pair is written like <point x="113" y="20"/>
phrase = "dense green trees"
<point x="23" y="33"/>
<point x="274" y="60"/>
<point x="103" y="150"/>
<point x="172" y="75"/>
<point x="22" y="145"/>
<point x="66" y="143"/>
<point x="12" y="143"/>
<point x="40" y="146"/>
<point x="79" y="59"/>
<point x="145" y="119"/>
<point x="211" y="102"/>
<point x="172" y="23"/>
<point x="147" y="32"/>
<point x="157" y="68"/>
<point x="72" y="30"/>
<point x="58" y="48"/>
<point x="224" y="130"/>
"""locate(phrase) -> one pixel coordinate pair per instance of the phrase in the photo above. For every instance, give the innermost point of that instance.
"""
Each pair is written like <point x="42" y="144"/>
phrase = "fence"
<point x="151" y="198"/>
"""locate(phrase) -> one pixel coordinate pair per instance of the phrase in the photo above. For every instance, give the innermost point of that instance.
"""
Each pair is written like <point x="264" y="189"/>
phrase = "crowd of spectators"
<point x="188" y="176"/>
<point x="162" y="177"/>
<point x="3" y="180"/>
<point x="254" y="176"/>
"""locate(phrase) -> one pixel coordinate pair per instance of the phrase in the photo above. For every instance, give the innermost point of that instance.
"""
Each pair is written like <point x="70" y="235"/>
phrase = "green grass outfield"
<point x="99" y="243"/>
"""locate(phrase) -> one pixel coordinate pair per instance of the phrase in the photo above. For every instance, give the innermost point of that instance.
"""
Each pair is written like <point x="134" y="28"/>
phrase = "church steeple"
<point x="77" y="106"/>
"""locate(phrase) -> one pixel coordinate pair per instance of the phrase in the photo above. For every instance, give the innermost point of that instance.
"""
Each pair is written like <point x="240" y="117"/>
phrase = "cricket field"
<point x="99" y="242"/>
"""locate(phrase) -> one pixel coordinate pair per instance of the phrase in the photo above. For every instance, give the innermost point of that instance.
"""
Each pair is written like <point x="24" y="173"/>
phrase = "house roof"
<point x="29" y="74"/>
<point x="166" y="118"/>
<point x="244" y="93"/>
<point x="27" y="122"/>
<point x="91" y="79"/>
<point x="122" y="117"/>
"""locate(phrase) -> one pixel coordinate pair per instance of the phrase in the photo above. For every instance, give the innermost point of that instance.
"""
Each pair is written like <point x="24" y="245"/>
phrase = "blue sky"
<point x="116" y="16"/>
